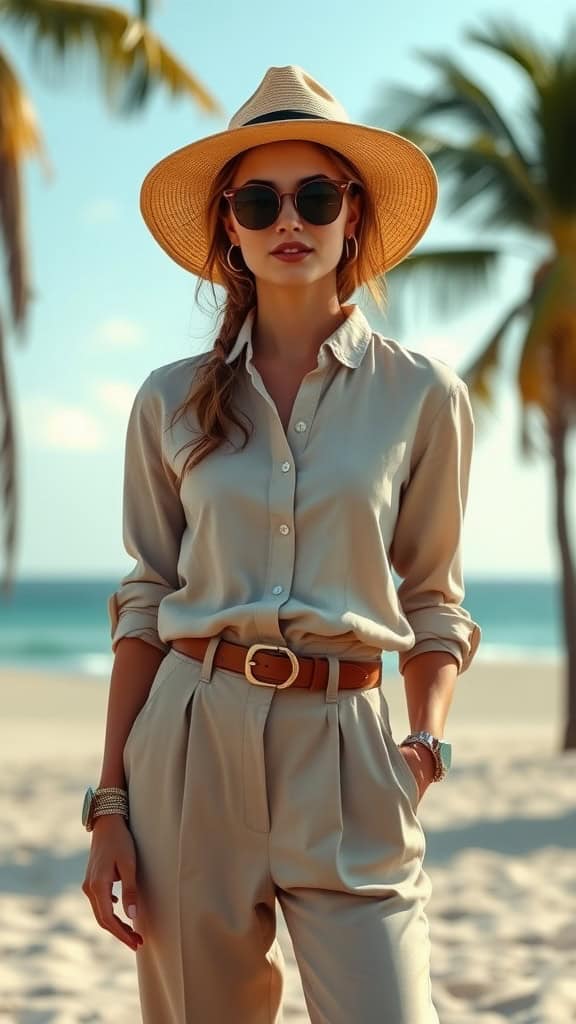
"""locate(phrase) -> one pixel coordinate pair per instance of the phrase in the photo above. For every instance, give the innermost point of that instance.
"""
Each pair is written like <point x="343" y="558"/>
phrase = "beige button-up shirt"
<point x="293" y="540"/>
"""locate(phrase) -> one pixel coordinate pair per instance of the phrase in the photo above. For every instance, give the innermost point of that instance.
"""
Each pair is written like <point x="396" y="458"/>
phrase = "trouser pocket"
<point x="402" y="773"/>
<point x="165" y="669"/>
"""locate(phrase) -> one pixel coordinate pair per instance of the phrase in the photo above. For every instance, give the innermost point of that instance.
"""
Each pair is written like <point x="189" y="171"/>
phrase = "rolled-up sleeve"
<point x="153" y="522"/>
<point x="426" y="549"/>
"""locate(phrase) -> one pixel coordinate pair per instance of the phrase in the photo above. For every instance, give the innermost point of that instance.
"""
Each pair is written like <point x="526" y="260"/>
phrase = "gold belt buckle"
<point x="270" y="647"/>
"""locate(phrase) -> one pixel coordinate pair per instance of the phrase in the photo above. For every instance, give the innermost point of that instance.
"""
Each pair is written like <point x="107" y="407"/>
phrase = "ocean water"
<point x="62" y="624"/>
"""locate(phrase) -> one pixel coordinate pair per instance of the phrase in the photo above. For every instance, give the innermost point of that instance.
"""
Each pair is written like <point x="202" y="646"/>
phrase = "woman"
<point x="271" y="485"/>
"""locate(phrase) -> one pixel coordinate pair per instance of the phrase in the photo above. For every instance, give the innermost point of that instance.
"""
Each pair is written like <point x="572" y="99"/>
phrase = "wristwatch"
<point x="442" y="751"/>
<point x="103" y="800"/>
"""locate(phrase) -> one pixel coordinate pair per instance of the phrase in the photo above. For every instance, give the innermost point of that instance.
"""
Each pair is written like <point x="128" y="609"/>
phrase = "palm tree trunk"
<point x="558" y="426"/>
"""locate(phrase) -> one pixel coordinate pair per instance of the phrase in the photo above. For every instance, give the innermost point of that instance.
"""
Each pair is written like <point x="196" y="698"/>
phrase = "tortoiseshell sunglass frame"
<point x="341" y="184"/>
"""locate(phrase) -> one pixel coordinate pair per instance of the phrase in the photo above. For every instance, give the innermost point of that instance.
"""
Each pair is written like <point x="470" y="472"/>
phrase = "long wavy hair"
<point x="215" y="383"/>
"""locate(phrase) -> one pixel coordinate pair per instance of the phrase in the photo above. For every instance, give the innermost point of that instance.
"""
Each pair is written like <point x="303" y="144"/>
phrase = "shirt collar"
<point x="348" y="342"/>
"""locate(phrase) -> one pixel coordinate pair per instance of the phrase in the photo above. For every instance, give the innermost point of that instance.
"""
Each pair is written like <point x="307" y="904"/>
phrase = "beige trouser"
<point x="240" y="795"/>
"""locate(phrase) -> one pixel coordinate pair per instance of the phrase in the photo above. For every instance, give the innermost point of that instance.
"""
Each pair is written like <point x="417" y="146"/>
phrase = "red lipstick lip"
<point x="291" y="245"/>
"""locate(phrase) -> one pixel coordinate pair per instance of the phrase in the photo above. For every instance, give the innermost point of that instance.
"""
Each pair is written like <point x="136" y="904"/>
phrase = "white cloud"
<point x="119" y="332"/>
<point x="100" y="211"/>
<point x="62" y="427"/>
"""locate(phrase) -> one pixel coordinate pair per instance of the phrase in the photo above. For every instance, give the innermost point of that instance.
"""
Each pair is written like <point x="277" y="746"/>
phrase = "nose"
<point x="288" y="215"/>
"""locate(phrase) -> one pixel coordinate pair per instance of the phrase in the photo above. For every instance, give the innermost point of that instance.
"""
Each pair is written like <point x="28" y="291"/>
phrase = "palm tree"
<point x="523" y="171"/>
<point x="132" y="61"/>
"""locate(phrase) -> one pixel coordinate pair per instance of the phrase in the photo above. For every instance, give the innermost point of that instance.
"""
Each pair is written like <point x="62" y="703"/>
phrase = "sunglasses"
<point x="258" y="206"/>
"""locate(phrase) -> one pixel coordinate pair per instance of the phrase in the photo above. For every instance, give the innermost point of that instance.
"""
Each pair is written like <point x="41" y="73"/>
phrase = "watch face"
<point x="446" y="754"/>
<point x="86" y="805"/>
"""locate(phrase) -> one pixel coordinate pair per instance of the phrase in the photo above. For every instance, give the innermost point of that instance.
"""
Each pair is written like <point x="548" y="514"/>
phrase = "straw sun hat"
<point x="290" y="104"/>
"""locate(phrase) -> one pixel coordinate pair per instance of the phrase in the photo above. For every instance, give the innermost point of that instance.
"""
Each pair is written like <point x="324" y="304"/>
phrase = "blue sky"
<point x="110" y="305"/>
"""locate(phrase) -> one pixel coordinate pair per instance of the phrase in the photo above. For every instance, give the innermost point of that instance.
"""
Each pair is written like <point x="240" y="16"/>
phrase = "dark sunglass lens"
<point x="320" y="202"/>
<point x="256" y="207"/>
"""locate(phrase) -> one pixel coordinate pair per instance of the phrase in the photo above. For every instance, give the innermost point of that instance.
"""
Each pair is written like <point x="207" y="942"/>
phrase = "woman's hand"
<point x="112" y="858"/>
<point x="422" y="764"/>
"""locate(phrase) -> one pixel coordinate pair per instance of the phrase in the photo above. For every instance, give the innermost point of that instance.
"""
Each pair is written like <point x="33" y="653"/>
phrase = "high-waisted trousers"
<point x="241" y="795"/>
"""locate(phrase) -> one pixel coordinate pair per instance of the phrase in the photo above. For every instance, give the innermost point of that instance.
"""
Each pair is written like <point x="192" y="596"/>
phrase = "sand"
<point x="501" y="838"/>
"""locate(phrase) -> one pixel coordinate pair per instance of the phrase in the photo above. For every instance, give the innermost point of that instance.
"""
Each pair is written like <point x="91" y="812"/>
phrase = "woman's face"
<point x="285" y="164"/>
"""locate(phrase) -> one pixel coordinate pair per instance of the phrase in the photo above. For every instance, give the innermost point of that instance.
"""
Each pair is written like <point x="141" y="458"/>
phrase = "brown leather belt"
<point x="283" y="668"/>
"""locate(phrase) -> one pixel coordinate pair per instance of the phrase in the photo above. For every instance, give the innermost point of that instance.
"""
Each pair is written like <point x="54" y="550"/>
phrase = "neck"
<point x="290" y="325"/>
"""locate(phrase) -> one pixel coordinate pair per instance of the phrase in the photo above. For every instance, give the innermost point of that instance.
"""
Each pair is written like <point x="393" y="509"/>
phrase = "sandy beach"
<point x="501" y="838"/>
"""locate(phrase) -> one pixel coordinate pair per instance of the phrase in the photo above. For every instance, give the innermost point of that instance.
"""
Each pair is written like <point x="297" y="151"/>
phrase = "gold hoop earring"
<point x="235" y="270"/>
<point x="347" y="251"/>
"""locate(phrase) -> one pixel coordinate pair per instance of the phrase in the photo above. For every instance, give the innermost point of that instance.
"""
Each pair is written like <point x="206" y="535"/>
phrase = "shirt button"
<point x="284" y="529"/>
<point x="285" y="467"/>
<point x="300" y="426"/>
<point x="277" y="590"/>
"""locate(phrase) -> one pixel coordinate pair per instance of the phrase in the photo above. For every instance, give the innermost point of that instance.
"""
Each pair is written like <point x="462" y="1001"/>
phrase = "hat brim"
<point x="398" y="174"/>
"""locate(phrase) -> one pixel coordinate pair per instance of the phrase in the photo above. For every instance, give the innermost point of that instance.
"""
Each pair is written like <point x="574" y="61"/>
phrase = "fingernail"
<point x="132" y="911"/>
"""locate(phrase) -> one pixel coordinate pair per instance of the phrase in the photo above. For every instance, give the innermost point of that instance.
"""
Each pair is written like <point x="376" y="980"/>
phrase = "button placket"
<point x="306" y="405"/>
<point x="282" y="493"/>
<point x="280" y="570"/>
<point x="282" y="546"/>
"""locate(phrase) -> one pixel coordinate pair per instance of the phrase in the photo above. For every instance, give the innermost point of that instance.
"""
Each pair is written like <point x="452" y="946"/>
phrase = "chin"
<point x="290" y="272"/>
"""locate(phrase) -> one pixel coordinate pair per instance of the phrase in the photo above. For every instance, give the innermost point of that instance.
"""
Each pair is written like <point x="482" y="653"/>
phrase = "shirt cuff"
<point x="134" y="623"/>
<point x="463" y="644"/>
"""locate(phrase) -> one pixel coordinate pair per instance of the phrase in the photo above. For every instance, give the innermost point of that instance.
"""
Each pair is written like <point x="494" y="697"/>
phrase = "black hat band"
<point x="283" y="115"/>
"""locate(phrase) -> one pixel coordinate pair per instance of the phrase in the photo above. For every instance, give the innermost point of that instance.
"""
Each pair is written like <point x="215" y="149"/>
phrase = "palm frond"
<point x="144" y="9"/>
<point x="511" y="38"/>
<point x="484" y="169"/>
<point x="551" y="336"/>
<point x="132" y="59"/>
<point x="457" y="95"/>
<point x="446" y="278"/>
<point x="20" y="137"/>
<point x="479" y="374"/>
<point x="555" y="115"/>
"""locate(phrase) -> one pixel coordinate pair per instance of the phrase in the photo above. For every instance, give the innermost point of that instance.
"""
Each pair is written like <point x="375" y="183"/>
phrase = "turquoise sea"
<point x="62" y="624"/>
